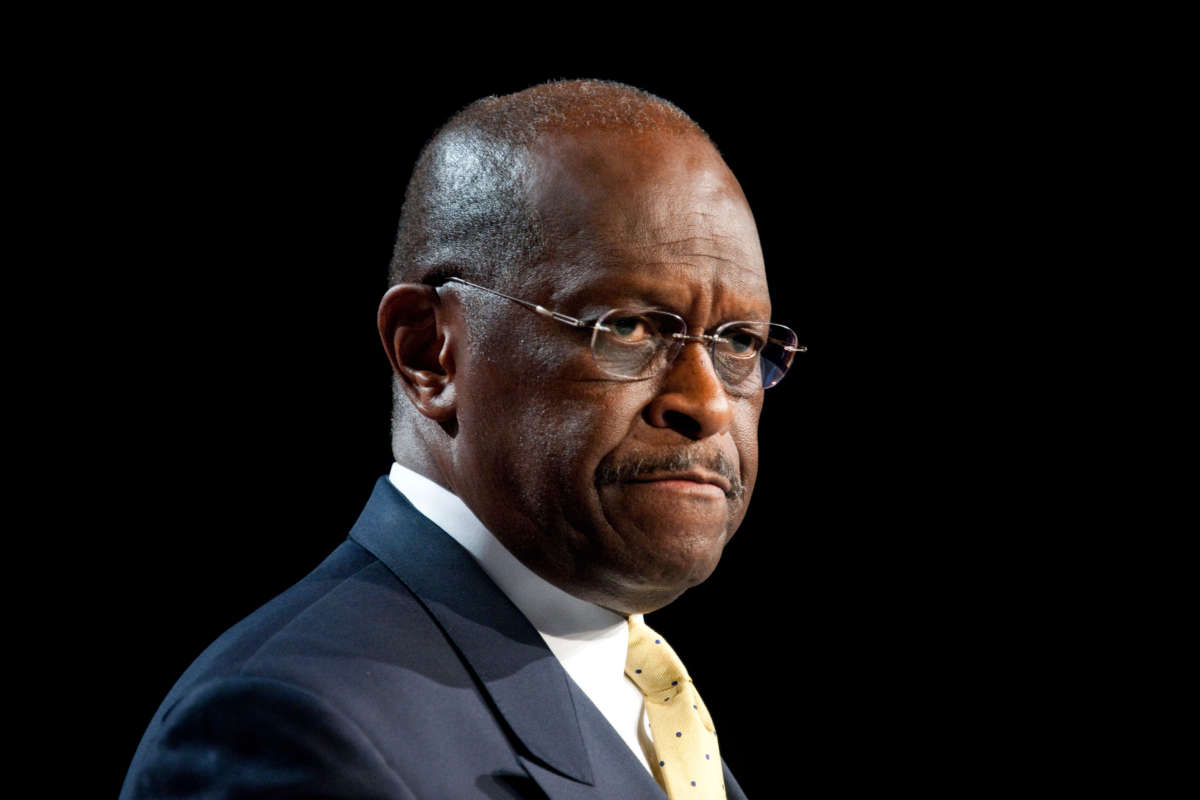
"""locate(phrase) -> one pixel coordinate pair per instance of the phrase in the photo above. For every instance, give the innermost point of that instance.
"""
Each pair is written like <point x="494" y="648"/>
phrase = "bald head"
<point x="468" y="209"/>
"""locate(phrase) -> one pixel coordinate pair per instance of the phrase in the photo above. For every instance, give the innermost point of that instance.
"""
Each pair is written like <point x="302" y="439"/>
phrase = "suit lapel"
<point x="507" y="655"/>
<point x="733" y="791"/>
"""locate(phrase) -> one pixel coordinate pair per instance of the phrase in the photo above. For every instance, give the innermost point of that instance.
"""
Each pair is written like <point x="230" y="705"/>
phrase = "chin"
<point x="657" y="577"/>
<point x="647" y="546"/>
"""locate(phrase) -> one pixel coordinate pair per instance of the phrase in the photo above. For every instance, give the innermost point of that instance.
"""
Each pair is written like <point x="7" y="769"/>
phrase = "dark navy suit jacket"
<point x="397" y="669"/>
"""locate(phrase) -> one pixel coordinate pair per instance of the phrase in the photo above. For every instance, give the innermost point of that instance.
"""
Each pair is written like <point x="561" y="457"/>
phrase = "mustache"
<point x="634" y="467"/>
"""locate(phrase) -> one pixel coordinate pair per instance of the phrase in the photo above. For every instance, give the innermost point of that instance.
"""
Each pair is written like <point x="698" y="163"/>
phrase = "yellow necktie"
<point x="685" y="743"/>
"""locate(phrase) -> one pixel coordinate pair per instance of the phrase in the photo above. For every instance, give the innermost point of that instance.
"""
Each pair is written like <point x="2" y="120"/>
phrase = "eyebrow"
<point x="592" y="306"/>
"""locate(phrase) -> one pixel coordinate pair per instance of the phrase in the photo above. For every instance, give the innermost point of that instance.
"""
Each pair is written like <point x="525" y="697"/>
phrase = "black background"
<point x="227" y="404"/>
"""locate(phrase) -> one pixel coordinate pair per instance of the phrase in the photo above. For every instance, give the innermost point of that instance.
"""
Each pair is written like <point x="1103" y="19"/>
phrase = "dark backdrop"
<point x="233" y="401"/>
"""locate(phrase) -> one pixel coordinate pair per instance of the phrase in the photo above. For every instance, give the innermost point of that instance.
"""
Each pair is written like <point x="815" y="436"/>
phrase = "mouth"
<point x="694" y="480"/>
<point x="713" y="476"/>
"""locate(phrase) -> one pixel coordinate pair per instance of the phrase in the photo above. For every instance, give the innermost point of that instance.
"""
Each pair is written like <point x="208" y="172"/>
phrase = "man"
<point x="577" y="325"/>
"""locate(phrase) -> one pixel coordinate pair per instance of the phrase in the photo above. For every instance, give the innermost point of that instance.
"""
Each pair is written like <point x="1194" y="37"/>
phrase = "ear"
<point x="415" y="334"/>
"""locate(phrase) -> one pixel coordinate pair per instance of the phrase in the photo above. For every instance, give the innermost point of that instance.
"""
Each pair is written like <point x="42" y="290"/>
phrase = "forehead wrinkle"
<point x="699" y="251"/>
<point x="685" y="240"/>
<point x="719" y="267"/>
<point x="708" y="242"/>
<point x="699" y="233"/>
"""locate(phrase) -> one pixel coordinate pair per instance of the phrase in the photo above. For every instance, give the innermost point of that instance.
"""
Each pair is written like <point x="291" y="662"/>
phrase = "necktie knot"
<point x="651" y="663"/>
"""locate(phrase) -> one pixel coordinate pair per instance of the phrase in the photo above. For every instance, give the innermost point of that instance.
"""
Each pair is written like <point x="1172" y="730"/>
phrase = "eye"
<point x="629" y="329"/>
<point x="741" y="343"/>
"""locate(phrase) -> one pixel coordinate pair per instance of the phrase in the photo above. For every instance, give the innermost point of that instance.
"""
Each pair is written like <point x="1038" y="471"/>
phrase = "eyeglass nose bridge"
<point x="678" y="340"/>
<point x="702" y="338"/>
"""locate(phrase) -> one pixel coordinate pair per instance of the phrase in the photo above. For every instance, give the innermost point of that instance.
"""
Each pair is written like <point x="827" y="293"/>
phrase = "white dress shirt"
<point x="590" y="641"/>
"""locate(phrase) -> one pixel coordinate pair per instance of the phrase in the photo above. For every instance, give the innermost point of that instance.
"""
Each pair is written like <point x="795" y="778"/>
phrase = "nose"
<point x="692" y="400"/>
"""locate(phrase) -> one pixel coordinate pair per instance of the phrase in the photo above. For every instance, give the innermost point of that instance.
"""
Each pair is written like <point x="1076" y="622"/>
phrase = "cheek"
<point x="585" y="424"/>
<point x="745" y="437"/>
<point x="546" y="437"/>
<point x="590" y="422"/>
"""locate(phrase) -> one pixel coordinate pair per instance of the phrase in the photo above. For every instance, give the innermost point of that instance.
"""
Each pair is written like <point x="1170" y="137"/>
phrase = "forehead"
<point x="656" y="216"/>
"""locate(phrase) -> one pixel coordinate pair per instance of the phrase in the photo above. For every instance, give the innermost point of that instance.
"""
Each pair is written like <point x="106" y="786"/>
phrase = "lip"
<point x="689" y="479"/>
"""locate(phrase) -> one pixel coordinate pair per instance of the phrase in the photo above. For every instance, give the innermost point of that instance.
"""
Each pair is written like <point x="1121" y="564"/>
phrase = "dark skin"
<point x="515" y="418"/>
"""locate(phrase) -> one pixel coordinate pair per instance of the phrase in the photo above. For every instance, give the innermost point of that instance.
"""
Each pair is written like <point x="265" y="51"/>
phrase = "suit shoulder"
<point x="342" y="650"/>
<point x="233" y="735"/>
<point x="351" y="607"/>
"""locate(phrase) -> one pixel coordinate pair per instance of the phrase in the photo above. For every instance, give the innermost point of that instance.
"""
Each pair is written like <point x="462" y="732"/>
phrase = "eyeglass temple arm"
<point x="542" y="310"/>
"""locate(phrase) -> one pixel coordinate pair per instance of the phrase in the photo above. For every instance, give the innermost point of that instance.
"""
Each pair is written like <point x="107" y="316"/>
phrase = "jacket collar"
<point x="500" y="646"/>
